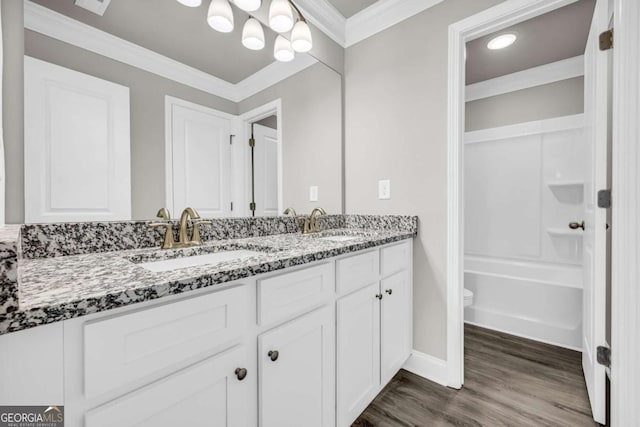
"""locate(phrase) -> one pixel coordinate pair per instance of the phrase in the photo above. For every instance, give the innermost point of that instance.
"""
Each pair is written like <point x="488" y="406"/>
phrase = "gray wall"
<point x="556" y="99"/>
<point x="13" y="107"/>
<point x="147" y="97"/>
<point x="311" y="136"/>
<point x="396" y="128"/>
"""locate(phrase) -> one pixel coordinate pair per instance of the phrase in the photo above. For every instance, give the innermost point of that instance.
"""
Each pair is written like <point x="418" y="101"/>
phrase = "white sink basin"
<point x="197" y="260"/>
<point x="339" y="238"/>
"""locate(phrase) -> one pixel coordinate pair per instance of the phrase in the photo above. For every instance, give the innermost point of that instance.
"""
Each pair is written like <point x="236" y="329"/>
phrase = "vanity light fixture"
<point x="253" y="35"/>
<point x="191" y="3"/>
<point x="220" y="16"/>
<point x="282" y="50"/>
<point x="502" y="41"/>
<point x="281" y="20"/>
<point x="248" y="5"/>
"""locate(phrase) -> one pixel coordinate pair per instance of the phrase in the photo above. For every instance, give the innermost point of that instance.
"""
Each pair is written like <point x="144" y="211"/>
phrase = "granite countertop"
<point x="58" y="288"/>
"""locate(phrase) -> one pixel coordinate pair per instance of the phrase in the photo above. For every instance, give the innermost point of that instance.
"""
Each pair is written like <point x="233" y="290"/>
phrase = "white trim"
<point x="270" y="75"/>
<point x="625" y="268"/>
<point x="525" y="336"/>
<point x="493" y="19"/>
<point x="96" y="6"/>
<point x="428" y="367"/>
<point x="53" y="24"/>
<point x="537" y="76"/>
<point x="382" y="15"/>
<point x="325" y="17"/>
<point x="556" y="124"/>
<point x="257" y="114"/>
<point x="2" y="160"/>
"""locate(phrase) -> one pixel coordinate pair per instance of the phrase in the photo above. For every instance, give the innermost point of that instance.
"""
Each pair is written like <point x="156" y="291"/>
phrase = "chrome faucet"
<point x="183" y="239"/>
<point x="311" y="224"/>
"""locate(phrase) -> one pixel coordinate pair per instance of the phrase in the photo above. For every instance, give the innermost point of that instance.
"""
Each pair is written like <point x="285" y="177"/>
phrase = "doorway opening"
<point x="528" y="155"/>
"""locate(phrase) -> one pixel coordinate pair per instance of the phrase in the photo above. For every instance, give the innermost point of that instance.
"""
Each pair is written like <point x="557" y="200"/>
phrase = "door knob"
<point x="389" y="291"/>
<point x="241" y="373"/>
<point x="379" y="296"/>
<point x="273" y="355"/>
<point x="576" y="225"/>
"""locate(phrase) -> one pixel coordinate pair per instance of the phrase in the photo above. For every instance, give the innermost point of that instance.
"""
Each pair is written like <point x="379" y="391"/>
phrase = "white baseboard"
<point x="428" y="367"/>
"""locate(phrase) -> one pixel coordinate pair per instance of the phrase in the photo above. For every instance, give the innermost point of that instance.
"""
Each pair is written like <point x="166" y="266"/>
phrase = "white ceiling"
<point x="547" y="38"/>
<point x="178" y="32"/>
<point x="348" y="8"/>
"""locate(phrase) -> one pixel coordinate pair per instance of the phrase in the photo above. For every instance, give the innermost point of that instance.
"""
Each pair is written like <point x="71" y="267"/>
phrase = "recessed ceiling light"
<point x="502" y="41"/>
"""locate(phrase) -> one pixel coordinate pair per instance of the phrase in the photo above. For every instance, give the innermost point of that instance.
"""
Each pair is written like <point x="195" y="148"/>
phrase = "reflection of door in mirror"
<point x="265" y="167"/>
<point x="198" y="156"/>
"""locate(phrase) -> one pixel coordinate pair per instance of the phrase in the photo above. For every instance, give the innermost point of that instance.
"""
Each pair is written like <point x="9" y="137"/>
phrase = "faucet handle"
<point x="164" y="214"/>
<point x="195" y="236"/>
<point x="169" y="241"/>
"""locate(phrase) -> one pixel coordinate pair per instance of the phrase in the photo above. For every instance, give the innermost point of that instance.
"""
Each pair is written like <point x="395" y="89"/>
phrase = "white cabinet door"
<point x="198" y="158"/>
<point x="297" y="384"/>
<point x="76" y="146"/>
<point x="358" y="352"/>
<point x="265" y="166"/>
<point x="395" y="321"/>
<point x="209" y="393"/>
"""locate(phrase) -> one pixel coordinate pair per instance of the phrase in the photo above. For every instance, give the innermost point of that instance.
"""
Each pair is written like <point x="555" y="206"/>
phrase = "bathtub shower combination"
<point x="523" y="185"/>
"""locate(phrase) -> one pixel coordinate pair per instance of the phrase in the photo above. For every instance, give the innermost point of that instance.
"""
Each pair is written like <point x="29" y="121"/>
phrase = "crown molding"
<point x="53" y="24"/>
<point x="537" y="76"/>
<point x="325" y="17"/>
<point x="382" y="15"/>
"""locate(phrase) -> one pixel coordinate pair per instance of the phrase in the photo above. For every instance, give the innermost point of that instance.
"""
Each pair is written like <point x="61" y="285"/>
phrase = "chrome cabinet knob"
<point x="389" y="291"/>
<point x="241" y="373"/>
<point x="379" y="296"/>
<point x="273" y="355"/>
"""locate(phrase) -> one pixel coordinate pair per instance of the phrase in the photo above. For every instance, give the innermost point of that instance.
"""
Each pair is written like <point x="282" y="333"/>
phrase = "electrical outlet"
<point x="313" y="193"/>
<point x="384" y="189"/>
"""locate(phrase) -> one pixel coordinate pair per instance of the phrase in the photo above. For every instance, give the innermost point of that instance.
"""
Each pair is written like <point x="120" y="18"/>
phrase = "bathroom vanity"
<point x="265" y="327"/>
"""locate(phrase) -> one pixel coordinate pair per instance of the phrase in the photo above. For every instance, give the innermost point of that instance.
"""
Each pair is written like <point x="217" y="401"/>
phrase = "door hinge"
<point x="604" y="356"/>
<point x="252" y="142"/>
<point x="604" y="199"/>
<point x="252" y="206"/>
<point x="606" y="40"/>
<point x="231" y="206"/>
<point x="231" y="139"/>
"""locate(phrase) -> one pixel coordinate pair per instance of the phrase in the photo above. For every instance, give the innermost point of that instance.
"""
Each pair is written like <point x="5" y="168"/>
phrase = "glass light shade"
<point x="248" y="5"/>
<point x="301" y="37"/>
<point x="220" y="16"/>
<point x="253" y="35"/>
<point x="280" y="16"/>
<point x="283" y="51"/>
<point x="502" y="41"/>
<point x="191" y="3"/>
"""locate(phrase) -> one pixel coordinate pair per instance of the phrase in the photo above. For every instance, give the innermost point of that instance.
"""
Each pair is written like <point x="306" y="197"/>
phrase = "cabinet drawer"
<point x="206" y="394"/>
<point x="395" y="258"/>
<point x="287" y="295"/>
<point x="131" y="347"/>
<point x="357" y="271"/>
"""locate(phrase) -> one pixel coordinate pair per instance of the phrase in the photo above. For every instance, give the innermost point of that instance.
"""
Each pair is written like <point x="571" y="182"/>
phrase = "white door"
<point x="265" y="158"/>
<point x="358" y="352"/>
<point x="594" y="239"/>
<point x="209" y="393"/>
<point x="76" y="146"/>
<point x="198" y="159"/>
<point x="297" y="373"/>
<point x="395" y="324"/>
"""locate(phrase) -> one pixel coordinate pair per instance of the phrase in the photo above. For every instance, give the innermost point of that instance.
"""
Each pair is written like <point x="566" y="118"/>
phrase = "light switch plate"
<point x="384" y="189"/>
<point x="313" y="193"/>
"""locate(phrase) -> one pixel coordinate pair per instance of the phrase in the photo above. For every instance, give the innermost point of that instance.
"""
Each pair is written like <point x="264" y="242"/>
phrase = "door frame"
<point x="169" y="102"/>
<point x="271" y="108"/>
<point x="625" y="384"/>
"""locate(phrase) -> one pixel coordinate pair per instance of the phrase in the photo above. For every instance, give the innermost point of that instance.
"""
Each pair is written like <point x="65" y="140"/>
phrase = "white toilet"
<point x="468" y="297"/>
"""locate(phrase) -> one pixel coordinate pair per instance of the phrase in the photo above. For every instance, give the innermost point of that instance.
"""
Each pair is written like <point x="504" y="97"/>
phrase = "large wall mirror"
<point x="143" y="105"/>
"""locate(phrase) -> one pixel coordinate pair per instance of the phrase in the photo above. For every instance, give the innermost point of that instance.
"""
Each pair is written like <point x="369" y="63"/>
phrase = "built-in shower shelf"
<point x="561" y="232"/>
<point x="570" y="192"/>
